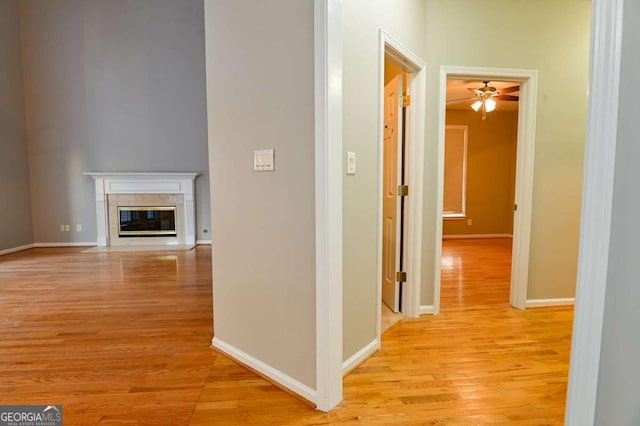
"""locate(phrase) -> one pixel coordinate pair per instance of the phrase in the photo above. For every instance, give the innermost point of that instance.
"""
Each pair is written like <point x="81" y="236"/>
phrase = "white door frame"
<point x="528" y="81"/>
<point x="597" y="200"/>
<point x="414" y="160"/>
<point x="328" y="187"/>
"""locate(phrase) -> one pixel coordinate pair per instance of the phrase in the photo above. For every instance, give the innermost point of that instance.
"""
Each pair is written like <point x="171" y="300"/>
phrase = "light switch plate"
<point x="263" y="160"/>
<point x="351" y="163"/>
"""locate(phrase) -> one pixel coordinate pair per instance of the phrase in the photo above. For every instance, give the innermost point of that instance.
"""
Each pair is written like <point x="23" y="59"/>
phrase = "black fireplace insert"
<point x="147" y="221"/>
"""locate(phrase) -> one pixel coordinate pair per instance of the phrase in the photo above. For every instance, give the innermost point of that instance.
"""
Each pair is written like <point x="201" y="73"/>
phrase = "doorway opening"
<point x="395" y="104"/>
<point x="480" y="145"/>
<point x="400" y="167"/>
<point x="509" y="80"/>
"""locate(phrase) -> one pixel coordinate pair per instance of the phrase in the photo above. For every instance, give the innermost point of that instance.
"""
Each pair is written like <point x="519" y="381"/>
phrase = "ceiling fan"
<point x="487" y="96"/>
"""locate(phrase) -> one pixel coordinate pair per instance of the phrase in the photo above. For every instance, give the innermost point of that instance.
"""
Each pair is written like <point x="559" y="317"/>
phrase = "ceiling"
<point x="457" y="89"/>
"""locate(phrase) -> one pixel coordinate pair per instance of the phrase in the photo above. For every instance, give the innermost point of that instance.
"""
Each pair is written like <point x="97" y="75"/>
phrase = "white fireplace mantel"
<point x="143" y="183"/>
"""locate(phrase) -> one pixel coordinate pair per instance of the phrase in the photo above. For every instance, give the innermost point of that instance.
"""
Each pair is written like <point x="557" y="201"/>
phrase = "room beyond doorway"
<point x="526" y="80"/>
<point x="480" y="147"/>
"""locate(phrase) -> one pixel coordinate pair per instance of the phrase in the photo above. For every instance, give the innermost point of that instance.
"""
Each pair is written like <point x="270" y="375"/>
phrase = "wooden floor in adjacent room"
<point x="476" y="273"/>
<point x="123" y="339"/>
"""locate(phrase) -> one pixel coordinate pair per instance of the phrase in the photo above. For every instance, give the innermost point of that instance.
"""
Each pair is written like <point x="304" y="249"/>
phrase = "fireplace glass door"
<point x="147" y="221"/>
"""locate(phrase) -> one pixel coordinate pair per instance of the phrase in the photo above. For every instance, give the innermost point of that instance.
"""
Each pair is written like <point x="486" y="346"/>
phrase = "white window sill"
<point x="454" y="216"/>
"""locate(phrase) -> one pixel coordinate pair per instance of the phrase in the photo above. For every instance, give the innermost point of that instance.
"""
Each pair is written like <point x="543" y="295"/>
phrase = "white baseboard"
<point x="426" y="309"/>
<point x="203" y="242"/>
<point x="276" y="375"/>
<point x="450" y="237"/>
<point x="68" y="244"/>
<point x="561" y="301"/>
<point x="360" y="356"/>
<point x="15" y="249"/>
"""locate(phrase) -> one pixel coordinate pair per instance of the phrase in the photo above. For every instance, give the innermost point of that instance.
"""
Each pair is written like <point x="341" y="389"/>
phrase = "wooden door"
<point x="390" y="206"/>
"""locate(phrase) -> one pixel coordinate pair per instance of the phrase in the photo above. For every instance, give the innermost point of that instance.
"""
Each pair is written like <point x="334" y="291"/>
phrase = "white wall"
<point x="15" y="216"/>
<point x="260" y="81"/>
<point x="110" y="86"/>
<point x="619" y="372"/>
<point x="403" y="20"/>
<point x="545" y="35"/>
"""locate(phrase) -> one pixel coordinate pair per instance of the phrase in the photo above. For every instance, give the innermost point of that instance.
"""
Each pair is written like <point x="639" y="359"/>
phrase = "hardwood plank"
<point x="123" y="339"/>
<point x="476" y="273"/>
<point x="480" y="362"/>
<point x="116" y="338"/>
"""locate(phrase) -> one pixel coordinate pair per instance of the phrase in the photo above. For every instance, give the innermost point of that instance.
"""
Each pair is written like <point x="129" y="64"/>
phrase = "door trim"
<point x="414" y="133"/>
<point x="528" y="80"/>
<point x="597" y="196"/>
<point x="328" y="188"/>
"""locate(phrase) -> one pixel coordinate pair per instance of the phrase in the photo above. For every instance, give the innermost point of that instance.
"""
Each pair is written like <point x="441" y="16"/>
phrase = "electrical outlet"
<point x="61" y="228"/>
<point x="78" y="228"/>
<point x="67" y="228"/>
<point x="469" y="222"/>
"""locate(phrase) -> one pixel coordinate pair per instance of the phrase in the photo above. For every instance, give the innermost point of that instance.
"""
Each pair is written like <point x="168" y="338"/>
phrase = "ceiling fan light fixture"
<point x="489" y="105"/>
<point x="476" y="105"/>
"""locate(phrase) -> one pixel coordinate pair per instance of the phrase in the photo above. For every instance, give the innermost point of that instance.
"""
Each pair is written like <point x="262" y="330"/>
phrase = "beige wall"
<point x="491" y="160"/>
<point x="361" y="88"/>
<point x="263" y="222"/>
<point x="549" y="36"/>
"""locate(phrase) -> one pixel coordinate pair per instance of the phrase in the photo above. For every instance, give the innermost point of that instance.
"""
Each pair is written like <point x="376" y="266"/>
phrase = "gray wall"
<point x="110" y="86"/>
<point x="260" y="81"/>
<point x="15" y="215"/>
<point x="619" y="373"/>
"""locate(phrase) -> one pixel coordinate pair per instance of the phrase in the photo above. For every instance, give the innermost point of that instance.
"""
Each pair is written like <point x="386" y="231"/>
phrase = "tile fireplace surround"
<point x="144" y="189"/>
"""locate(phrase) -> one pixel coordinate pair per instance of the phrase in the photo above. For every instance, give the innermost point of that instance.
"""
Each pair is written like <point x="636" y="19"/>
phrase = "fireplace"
<point x="145" y="209"/>
<point x="147" y="221"/>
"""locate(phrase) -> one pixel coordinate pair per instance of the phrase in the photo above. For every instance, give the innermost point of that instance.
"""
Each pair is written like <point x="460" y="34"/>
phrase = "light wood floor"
<point x="476" y="273"/>
<point x="389" y="318"/>
<point x="122" y="339"/>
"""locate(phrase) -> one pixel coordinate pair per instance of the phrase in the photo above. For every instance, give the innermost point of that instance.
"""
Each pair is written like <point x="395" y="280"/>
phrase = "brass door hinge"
<point x="401" y="276"/>
<point x="405" y="101"/>
<point x="403" y="190"/>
